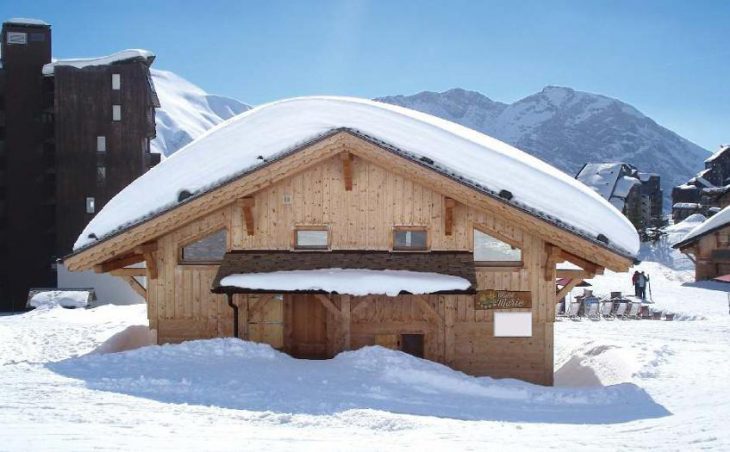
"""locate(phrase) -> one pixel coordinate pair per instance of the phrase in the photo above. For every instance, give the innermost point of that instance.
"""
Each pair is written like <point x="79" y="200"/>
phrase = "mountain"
<point x="186" y="111"/>
<point x="568" y="128"/>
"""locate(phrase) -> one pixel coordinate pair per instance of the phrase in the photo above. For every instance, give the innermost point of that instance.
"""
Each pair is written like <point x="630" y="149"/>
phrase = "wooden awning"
<point x="451" y="263"/>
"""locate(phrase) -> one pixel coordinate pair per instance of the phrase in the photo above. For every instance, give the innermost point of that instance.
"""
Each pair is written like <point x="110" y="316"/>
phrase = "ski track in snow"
<point x="52" y="397"/>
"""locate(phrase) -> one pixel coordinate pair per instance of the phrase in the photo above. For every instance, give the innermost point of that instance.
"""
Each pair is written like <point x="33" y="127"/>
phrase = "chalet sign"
<point x="502" y="299"/>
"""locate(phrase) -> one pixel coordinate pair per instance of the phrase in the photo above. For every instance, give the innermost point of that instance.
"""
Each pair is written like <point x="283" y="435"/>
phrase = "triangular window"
<point x="209" y="249"/>
<point x="489" y="250"/>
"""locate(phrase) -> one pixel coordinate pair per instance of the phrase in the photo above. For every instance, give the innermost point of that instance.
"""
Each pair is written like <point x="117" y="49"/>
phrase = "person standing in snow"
<point x="635" y="282"/>
<point x="641" y="282"/>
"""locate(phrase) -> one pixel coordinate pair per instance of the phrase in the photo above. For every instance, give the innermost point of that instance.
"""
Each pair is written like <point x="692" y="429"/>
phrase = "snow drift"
<point x="231" y="373"/>
<point x="239" y="145"/>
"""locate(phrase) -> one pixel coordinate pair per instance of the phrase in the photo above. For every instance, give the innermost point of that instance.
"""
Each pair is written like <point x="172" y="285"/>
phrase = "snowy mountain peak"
<point x="186" y="111"/>
<point x="568" y="128"/>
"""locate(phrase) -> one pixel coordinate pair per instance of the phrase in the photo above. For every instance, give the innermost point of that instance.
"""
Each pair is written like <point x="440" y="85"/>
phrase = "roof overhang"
<point x="306" y="155"/>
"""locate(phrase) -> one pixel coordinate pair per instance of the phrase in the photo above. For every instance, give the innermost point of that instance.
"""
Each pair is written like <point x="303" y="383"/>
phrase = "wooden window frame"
<point x="498" y="265"/>
<point x="406" y="228"/>
<point x="311" y="227"/>
<point x="182" y="244"/>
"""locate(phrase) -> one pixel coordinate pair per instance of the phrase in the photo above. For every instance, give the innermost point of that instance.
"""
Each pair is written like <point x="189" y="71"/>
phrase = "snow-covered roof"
<point x="624" y="185"/>
<point x="356" y="282"/>
<point x="685" y="205"/>
<point x="717" y="154"/>
<point x="274" y="130"/>
<point x="27" y="21"/>
<point x="80" y="63"/>
<point x="601" y="177"/>
<point x="715" y="222"/>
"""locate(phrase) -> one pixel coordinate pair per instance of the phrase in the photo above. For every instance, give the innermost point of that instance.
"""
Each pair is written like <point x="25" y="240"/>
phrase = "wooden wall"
<point x="181" y="306"/>
<point x="706" y="267"/>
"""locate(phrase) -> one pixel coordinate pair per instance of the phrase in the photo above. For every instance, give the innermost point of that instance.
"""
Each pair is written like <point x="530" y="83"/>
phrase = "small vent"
<point x="506" y="194"/>
<point x="286" y="199"/>
<point x="426" y="160"/>
<point x="603" y="238"/>
<point x="183" y="195"/>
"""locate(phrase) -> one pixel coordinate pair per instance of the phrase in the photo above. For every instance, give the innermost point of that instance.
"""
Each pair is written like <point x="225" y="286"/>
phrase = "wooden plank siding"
<point x="181" y="306"/>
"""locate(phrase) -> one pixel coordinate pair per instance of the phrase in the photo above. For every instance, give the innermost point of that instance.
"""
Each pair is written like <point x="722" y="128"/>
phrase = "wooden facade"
<point x="710" y="252"/>
<point x="360" y="198"/>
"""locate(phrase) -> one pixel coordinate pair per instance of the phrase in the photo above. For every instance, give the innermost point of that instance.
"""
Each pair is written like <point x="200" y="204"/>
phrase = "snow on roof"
<point x="65" y="298"/>
<point x="80" y="63"/>
<point x="601" y="177"/>
<point x="356" y="282"/>
<point x="717" y="221"/>
<point x="686" y="205"/>
<point x="624" y="186"/>
<point x="271" y="131"/>
<point x="717" y="154"/>
<point x="27" y="21"/>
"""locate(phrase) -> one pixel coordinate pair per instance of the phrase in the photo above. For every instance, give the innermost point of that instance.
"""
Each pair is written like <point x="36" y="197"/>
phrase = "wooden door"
<point x="308" y="327"/>
<point x="412" y="344"/>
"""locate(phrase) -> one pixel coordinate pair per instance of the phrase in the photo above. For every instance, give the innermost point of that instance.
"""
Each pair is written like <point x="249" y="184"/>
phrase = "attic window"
<point x="490" y="251"/>
<point x="311" y="238"/>
<point x="410" y="238"/>
<point x="207" y="250"/>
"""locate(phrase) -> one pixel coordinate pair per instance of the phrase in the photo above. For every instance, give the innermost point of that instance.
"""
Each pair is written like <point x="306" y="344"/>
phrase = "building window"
<point x="311" y="238"/>
<point x="100" y="175"/>
<point x="90" y="205"/>
<point x="116" y="81"/>
<point x="491" y="251"/>
<point x="209" y="249"/>
<point x="101" y="144"/>
<point x="116" y="112"/>
<point x="17" y="37"/>
<point x="406" y="238"/>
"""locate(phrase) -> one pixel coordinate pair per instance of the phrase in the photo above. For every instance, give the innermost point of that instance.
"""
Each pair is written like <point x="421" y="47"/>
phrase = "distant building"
<point x="708" y="246"/>
<point x="708" y="191"/>
<point x="638" y="195"/>
<point x="72" y="134"/>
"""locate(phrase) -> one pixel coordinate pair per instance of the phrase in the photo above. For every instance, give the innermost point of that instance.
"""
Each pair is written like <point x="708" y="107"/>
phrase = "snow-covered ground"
<point x="66" y="382"/>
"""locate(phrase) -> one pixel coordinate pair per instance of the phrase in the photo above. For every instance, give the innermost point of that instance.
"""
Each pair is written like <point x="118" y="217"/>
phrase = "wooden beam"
<point x="553" y="258"/>
<point x="573" y="274"/>
<point x="247" y="204"/>
<point x="590" y="267"/>
<point x="136" y="286"/>
<point x="449" y="204"/>
<point x="358" y="306"/>
<point x="140" y="271"/>
<point x="121" y="262"/>
<point x="426" y="306"/>
<point x="328" y="304"/>
<point x="149" y="247"/>
<point x="346" y="321"/>
<point x="567" y="288"/>
<point x="347" y="169"/>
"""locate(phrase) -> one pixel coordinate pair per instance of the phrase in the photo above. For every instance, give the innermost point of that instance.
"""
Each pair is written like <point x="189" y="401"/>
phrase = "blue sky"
<point x="670" y="59"/>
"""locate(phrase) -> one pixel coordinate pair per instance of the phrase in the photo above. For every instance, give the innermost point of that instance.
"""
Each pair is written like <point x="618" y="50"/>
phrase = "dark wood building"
<point x="708" y="191"/>
<point x="72" y="134"/>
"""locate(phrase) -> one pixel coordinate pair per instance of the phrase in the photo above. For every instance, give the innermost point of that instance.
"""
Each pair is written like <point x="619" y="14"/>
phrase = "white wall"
<point x="109" y="289"/>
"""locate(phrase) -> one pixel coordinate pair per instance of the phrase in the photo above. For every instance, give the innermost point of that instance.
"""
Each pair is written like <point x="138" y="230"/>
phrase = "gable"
<point x="313" y="154"/>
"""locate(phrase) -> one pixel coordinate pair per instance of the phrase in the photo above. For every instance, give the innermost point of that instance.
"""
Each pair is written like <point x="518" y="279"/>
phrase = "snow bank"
<point x="231" y="373"/>
<point x="81" y="63"/>
<point x="131" y="338"/>
<point x="720" y="219"/>
<point x="64" y="298"/>
<point x="349" y="281"/>
<point x="235" y="146"/>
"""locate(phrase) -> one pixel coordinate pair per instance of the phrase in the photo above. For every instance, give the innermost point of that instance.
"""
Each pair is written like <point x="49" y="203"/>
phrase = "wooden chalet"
<point x="708" y="246"/>
<point x="253" y="252"/>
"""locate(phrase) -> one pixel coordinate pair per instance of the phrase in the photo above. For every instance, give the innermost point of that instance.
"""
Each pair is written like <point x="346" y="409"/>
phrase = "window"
<point x="17" y="37"/>
<point x="210" y="248"/>
<point x="116" y="112"/>
<point x="410" y="239"/>
<point x="116" y="81"/>
<point x="90" y="205"/>
<point x="37" y="37"/>
<point x="101" y="144"/>
<point x="100" y="175"/>
<point x="311" y="238"/>
<point x="491" y="251"/>
<point x="512" y="324"/>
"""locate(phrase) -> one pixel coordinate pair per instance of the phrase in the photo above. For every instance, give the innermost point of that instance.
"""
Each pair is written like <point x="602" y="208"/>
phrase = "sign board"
<point x="16" y="37"/>
<point x="502" y="299"/>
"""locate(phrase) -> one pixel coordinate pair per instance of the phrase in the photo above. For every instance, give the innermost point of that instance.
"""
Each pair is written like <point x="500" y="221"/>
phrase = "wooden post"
<point x="567" y="288"/>
<point x="449" y="322"/>
<point x="347" y="170"/>
<point x="345" y="310"/>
